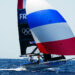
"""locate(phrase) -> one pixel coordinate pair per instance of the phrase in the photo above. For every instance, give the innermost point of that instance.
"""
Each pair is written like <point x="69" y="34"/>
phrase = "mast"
<point x="25" y="36"/>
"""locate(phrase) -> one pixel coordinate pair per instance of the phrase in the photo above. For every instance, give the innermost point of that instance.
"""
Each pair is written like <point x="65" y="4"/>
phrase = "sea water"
<point x="14" y="67"/>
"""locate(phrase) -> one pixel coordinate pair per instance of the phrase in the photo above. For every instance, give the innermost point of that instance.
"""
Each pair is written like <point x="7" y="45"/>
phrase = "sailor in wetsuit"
<point x="31" y="59"/>
<point x="38" y="61"/>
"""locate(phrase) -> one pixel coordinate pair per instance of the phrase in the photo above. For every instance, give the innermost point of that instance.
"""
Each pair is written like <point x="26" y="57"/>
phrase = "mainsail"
<point x="50" y="30"/>
<point x="25" y="36"/>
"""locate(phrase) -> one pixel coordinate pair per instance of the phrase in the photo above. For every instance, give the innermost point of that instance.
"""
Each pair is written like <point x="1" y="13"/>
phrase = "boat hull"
<point x="44" y="65"/>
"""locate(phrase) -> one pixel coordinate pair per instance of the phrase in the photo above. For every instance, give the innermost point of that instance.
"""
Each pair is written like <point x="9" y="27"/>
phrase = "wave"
<point x="14" y="69"/>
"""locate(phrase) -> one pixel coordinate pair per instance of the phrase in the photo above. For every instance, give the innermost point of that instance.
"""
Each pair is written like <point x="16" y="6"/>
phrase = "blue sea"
<point x="14" y="67"/>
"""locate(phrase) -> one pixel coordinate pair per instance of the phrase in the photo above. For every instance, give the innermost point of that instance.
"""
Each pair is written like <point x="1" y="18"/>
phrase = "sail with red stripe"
<point x="49" y="28"/>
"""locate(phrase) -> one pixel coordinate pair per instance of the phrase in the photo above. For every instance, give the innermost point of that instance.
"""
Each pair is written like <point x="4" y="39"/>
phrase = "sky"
<point x="9" y="40"/>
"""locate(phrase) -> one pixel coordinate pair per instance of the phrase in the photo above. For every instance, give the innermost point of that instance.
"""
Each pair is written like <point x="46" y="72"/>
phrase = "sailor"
<point x="31" y="59"/>
<point x="38" y="61"/>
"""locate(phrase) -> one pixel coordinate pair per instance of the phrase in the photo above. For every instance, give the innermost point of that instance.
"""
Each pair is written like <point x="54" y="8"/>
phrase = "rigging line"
<point x="34" y="50"/>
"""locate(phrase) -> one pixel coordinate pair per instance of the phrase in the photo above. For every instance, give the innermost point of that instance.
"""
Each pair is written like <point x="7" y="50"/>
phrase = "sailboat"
<point x="48" y="28"/>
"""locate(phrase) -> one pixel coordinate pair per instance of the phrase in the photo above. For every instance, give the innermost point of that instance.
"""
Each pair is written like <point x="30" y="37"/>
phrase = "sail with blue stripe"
<point x="44" y="17"/>
<point x="50" y="30"/>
